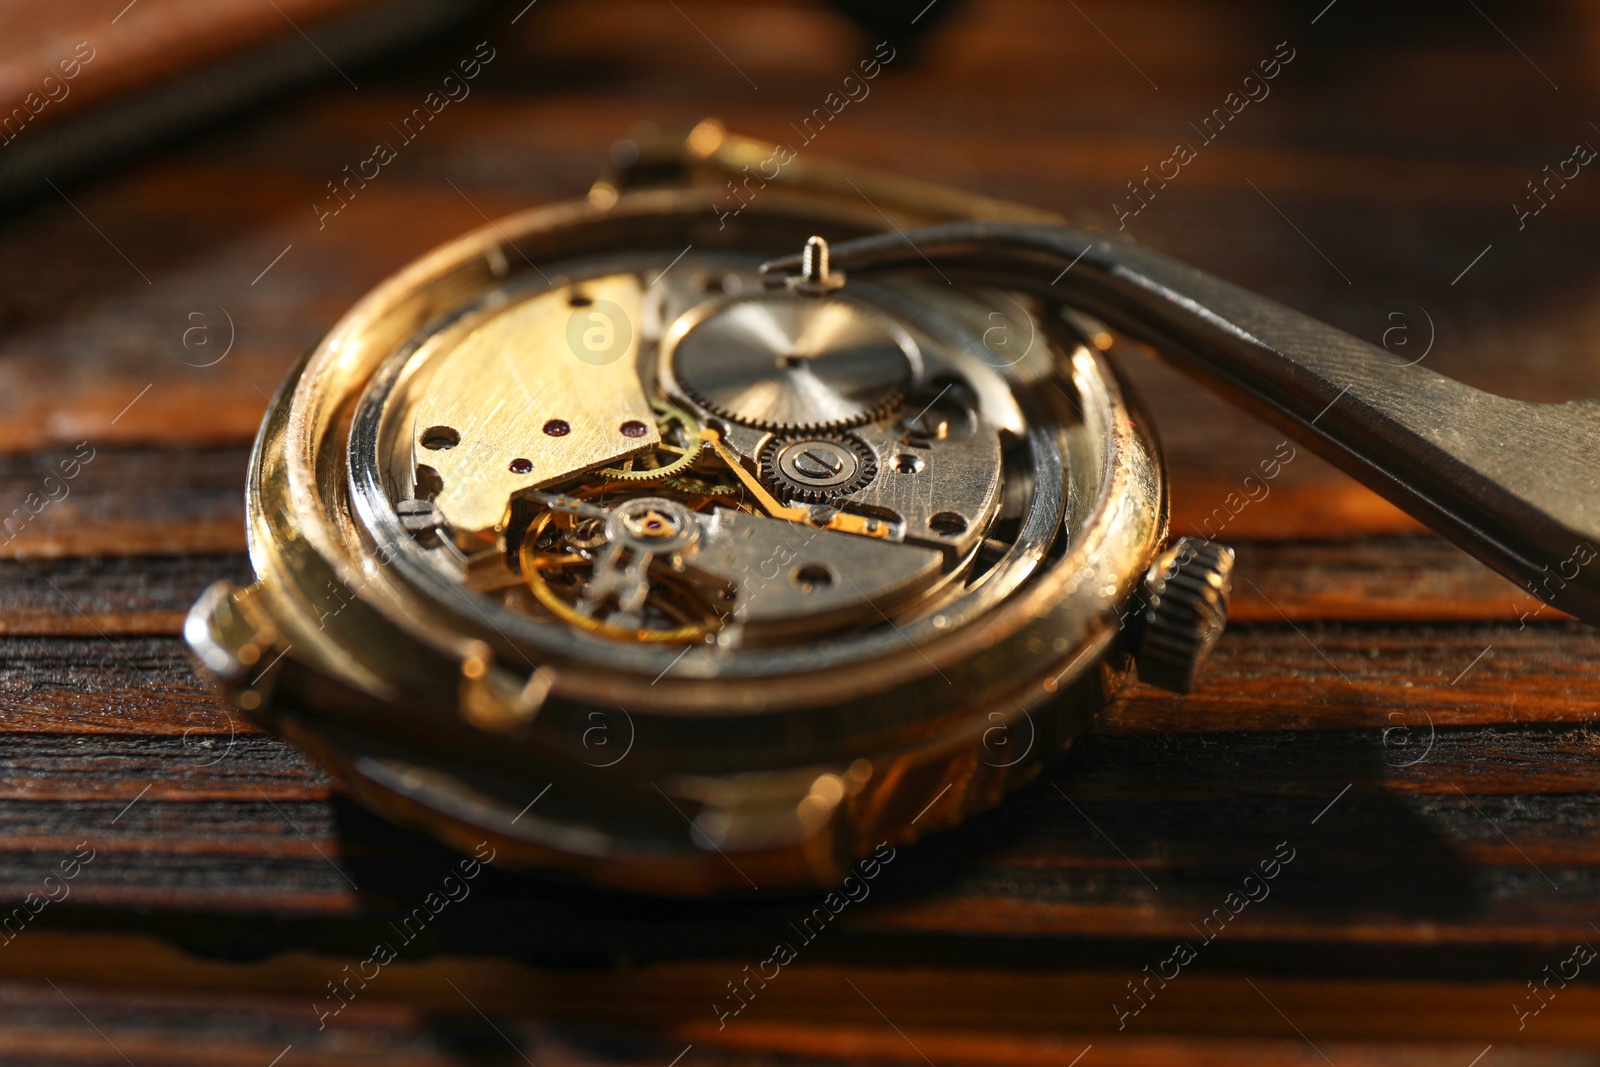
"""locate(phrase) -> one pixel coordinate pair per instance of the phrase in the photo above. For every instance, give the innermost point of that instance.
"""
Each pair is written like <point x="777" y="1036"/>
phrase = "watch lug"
<point x="230" y="637"/>
<point x="497" y="700"/>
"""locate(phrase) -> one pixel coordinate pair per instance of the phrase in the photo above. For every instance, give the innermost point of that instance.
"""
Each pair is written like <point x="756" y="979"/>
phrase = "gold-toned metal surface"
<point x="496" y="410"/>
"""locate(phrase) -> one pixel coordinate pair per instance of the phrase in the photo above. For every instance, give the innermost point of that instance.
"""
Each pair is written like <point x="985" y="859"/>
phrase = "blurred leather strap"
<point x="83" y="82"/>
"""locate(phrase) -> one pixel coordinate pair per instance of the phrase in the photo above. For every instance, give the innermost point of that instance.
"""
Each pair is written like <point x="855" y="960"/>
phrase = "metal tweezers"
<point x="1514" y="483"/>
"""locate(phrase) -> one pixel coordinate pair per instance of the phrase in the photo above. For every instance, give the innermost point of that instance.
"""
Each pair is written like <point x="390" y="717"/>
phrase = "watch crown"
<point x="1186" y="609"/>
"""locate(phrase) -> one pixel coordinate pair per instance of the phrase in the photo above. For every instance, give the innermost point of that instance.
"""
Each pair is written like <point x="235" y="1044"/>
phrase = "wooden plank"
<point x="105" y="596"/>
<point x="116" y="770"/>
<point x="242" y="1030"/>
<point x="117" y="686"/>
<point x="1413" y="579"/>
<point x="122" y="502"/>
<point x="1324" y="676"/>
<point x="813" y="1009"/>
<point x="164" y="38"/>
<point x="1488" y="839"/>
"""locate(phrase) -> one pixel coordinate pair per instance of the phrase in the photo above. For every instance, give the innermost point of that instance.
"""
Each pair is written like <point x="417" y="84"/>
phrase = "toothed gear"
<point x="700" y="486"/>
<point x="817" y="469"/>
<point x="795" y="365"/>
<point x="680" y="446"/>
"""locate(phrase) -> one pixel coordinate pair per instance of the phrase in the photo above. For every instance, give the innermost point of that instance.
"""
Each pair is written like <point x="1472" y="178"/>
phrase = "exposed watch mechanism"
<point x="682" y="457"/>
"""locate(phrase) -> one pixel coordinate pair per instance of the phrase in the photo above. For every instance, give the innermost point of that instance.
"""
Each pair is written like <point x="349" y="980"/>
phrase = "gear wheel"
<point x="680" y="446"/>
<point x="820" y="468"/>
<point x="793" y="364"/>
<point x="701" y="487"/>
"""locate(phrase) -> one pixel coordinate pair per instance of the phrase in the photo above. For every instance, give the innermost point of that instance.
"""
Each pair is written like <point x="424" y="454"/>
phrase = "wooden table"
<point x="1403" y="722"/>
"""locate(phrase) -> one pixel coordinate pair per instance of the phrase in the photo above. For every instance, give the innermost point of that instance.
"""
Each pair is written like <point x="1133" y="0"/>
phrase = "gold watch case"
<point x="550" y="553"/>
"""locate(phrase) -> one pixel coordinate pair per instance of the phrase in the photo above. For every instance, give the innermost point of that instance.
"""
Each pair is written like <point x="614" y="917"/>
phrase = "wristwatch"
<point x="755" y="511"/>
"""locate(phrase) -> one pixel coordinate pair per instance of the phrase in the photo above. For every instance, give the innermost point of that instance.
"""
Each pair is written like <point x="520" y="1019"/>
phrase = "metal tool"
<point x="1516" y="484"/>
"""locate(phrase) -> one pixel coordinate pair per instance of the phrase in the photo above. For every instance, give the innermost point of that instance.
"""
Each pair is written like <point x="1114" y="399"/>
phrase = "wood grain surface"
<point x="1415" y="731"/>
